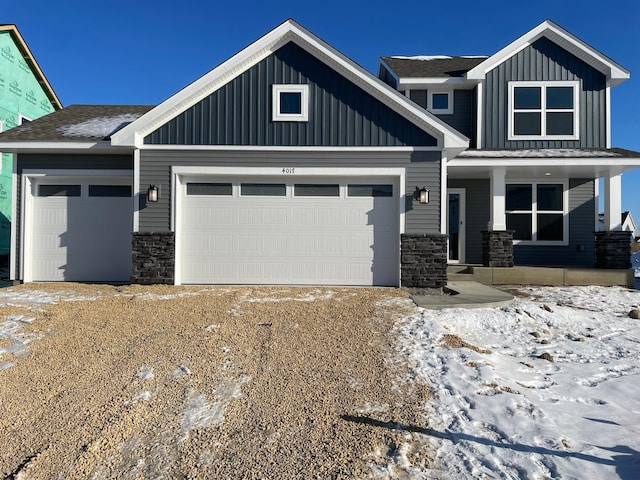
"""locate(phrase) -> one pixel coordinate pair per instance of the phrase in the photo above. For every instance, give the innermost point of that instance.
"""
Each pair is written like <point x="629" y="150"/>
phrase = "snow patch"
<point x="99" y="126"/>
<point x="199" y="412"/>
<point x="511" y="414"/>
<point x="145" y="373"/>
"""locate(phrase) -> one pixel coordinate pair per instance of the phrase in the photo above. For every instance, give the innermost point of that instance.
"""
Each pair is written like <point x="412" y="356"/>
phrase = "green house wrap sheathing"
<point x="21" y="99"/>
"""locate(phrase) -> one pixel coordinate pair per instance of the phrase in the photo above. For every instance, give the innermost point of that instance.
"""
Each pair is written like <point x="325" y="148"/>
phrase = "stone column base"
<point x="153" y="256"/>
<point x="613" y="250"/>
<point x="497" y="248"/>
<point x="423" y="260"/>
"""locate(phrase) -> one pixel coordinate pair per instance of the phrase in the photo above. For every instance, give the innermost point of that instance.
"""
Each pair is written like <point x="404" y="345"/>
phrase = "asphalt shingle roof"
<point x="428" y="67"/>
<point x="76" y="123"/>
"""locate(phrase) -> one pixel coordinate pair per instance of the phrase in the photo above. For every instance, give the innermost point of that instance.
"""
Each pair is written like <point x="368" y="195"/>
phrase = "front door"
<point x="456" y="225"/>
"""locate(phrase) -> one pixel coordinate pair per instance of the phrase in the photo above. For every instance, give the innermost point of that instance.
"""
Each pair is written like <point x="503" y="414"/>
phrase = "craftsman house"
<point x="291" y="164"/>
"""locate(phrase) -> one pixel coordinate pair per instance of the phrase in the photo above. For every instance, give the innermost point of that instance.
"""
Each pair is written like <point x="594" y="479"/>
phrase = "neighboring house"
<point x="25" y="94"/>
<point x="627" y="224"/>
<point x="291" y="164"/>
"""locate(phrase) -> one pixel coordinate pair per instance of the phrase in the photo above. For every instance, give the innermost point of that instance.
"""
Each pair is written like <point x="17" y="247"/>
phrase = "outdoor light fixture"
<point x="152" y="194"/>
<point x="423" y="195"/>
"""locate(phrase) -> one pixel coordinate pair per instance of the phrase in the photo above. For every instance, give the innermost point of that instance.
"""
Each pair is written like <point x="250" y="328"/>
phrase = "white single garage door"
<point x="264" y="230"/>
<point x="79" y="229"/>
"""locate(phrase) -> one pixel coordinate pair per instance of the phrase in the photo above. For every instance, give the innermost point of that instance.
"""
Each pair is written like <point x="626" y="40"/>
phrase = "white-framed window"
<point x="290" y="103"/>
<point x="440" y="102"/>
<point x="544" y="110"/>
<point x="22" y="119"/>
<point x="537" y="212"/>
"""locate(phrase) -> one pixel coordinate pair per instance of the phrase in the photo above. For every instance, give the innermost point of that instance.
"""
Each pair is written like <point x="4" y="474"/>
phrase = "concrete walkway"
<point x="464" y="295"/>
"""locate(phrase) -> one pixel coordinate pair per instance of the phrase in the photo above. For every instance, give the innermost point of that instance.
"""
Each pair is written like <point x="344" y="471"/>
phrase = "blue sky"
<point x="132" y="52"/>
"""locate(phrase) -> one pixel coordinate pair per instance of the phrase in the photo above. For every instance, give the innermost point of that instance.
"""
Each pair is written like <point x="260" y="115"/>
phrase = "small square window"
<point x="290" y="103"/>
<point x="440" y="102"/>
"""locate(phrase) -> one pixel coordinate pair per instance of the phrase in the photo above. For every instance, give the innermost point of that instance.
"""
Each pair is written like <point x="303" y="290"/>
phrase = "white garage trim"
<point x="287" y="174"/>
<point x="27" y="199"/>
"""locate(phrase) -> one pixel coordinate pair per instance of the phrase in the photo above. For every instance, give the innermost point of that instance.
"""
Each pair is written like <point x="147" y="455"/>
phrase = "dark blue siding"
<point x="544" y="60"/>
<point x="340" y="112"/>
<point x="463" y="118"/>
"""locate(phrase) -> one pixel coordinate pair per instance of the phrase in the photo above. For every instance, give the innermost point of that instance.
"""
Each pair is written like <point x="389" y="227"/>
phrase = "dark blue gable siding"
<point x="544" y="60"/>
<point x="341" y="114"/>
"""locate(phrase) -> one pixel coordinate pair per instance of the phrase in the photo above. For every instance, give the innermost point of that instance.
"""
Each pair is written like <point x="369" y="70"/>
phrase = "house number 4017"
<point x="288" y="170"/>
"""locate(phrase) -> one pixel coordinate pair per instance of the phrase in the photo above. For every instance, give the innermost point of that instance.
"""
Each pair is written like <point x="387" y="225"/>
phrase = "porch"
<point x="548" y="276"/>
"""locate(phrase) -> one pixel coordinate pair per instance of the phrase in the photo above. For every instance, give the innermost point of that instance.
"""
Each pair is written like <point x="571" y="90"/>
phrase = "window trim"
<point x="303" y="90"/>
<point x="543" y="85"/>
<point x="444" y="111"/>
<point x="534" y="211"/>
<point x="22" y="118"/>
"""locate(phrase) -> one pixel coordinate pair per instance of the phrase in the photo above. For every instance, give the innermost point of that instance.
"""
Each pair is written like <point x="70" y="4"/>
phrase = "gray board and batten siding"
<point x="422" y="170"/>
<point x="544" y="60"/>
<point x="37" y="161"/>
<point x="579" y="252"/>
<point x="341" y="114"/>
<point x="463" y="118"/>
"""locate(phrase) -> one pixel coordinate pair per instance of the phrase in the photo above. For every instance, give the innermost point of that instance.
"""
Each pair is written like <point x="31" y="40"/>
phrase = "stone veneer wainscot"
<point x="153" y="258"/>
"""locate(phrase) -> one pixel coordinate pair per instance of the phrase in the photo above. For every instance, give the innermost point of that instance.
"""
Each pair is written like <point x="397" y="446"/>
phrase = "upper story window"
<point x="22" y="119"/>
<point x="440" y="102"/>
<point x="543" y="110"/>
<point x="290" y="103"/>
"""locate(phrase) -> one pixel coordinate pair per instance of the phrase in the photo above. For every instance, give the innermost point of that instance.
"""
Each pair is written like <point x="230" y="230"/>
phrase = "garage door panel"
<point x="300" y="240"/>
<point x="81" y="237"/>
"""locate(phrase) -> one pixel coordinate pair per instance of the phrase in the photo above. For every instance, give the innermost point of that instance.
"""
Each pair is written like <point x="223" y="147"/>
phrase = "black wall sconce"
<point x="423" y="195"/>
<point x="152" y="194"/>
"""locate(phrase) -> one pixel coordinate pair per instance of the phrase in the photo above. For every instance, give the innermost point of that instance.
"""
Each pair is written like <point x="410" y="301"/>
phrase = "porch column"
<point x="613" y="246"/>
<point x="498" y="221"/>
<point x="613" y="200"/>
<point x="497" y="241"/>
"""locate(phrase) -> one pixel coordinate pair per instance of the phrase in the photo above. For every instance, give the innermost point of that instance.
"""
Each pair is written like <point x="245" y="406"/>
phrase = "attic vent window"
<point x="290" y="103"/>
<point x="543" y="110"/>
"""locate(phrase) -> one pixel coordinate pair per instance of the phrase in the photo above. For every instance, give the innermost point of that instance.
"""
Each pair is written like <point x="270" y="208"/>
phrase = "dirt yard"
<point x="193" y="382"/>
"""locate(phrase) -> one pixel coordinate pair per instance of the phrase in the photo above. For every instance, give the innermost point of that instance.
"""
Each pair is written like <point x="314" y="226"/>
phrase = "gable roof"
<point x="288" y="31"/>
<point x="82" y="125"/>
<point x="431" y="66"/>
<point x="31" y="61"/>
<point x="614" y="72"/>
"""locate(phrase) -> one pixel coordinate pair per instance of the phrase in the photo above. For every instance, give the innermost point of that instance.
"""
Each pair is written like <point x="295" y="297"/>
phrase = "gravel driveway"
<point x="203" y="382"/>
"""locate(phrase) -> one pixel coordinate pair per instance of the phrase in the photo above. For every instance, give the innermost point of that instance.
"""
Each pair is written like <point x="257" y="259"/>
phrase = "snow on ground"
<point x="547" y="387"/>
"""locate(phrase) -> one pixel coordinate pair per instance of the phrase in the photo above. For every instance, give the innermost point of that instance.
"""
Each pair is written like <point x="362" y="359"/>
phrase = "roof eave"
<point x="103" y="146"/>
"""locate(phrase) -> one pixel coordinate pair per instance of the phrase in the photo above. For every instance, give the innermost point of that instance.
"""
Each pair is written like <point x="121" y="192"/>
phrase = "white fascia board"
<point x="267" y="148"/>
<point x="134" y="133"/>
<point x="557" y="34"/>
<point x="59" y="147"/>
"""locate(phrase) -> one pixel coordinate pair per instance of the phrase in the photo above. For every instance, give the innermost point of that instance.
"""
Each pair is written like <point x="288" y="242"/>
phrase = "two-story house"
<point x="25" y="94"/>
<point x="291" y="164"/>
<point x="538" y="116"/>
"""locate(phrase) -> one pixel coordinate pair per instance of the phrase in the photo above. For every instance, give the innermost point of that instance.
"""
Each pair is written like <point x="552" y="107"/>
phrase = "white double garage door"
<point x="299" y="230"/>
<point x="229" y="230"/>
